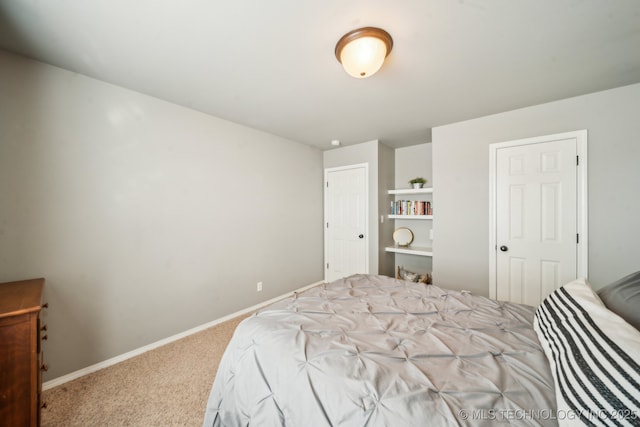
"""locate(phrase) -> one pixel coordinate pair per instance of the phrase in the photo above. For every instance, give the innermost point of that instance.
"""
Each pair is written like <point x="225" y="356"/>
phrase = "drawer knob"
<point x="44" y="337"/>
<point x="45" y="305"/>
<point x="44" y="405"/>
<point x="44" y="367"/>
<point x="43" y="328"/>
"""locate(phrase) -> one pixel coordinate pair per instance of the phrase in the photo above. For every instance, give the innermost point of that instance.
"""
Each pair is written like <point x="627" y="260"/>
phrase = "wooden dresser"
<point x="20" y="352"/>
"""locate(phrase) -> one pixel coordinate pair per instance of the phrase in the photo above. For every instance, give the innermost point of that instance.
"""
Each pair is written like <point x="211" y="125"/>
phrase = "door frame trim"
<point x="582" y="200"/>
<point x="365" y="166"/>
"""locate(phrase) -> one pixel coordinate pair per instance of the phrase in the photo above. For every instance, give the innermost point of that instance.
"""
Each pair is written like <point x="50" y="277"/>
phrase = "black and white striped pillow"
<point x="594" y="357"/>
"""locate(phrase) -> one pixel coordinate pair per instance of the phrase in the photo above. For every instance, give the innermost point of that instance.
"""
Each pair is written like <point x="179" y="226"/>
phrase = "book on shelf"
<point x="411" y="207"/>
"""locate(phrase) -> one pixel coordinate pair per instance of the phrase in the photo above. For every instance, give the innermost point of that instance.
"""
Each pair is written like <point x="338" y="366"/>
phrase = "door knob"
<point x="503" y="248"/>
<point x="361" y="236"/>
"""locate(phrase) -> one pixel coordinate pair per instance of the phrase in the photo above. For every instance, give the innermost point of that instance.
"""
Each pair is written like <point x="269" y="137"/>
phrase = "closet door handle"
<point x="503" y="248"/>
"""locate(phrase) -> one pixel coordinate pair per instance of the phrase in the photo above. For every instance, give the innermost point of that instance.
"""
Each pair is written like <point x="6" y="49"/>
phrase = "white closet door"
<point x="536" y="218"/>
<point x="346" y="239"/>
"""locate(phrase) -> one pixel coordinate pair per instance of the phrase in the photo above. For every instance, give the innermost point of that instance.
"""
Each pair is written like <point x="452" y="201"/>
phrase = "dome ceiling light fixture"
<point x="362" y="52"/>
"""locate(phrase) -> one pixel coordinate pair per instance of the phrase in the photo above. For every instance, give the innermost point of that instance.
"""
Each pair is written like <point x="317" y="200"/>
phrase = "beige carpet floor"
<point x="167" y="386"/>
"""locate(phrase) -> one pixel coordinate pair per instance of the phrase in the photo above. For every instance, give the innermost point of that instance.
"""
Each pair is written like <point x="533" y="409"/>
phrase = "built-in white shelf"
<point x="410" y="216"/>
<point x="425" y="190"/>
<point x="410" y="250"/>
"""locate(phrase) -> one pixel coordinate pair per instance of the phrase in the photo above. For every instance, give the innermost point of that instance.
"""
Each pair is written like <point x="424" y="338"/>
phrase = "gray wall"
<point x="386" y="175"/>
<point x="412" y="162"/>
<point x="461" y="171"/>
<point x="146" y="218"/>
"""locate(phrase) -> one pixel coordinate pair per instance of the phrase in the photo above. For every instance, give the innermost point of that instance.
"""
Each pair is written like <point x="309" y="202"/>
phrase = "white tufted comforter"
<point x="374" y="351"/>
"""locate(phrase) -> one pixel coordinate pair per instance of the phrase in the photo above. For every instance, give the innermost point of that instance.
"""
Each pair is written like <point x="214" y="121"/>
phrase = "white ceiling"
<point x="270" y="64"/>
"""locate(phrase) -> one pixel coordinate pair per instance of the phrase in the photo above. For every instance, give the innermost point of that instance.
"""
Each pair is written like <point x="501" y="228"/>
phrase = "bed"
<point x="371" y="350"/>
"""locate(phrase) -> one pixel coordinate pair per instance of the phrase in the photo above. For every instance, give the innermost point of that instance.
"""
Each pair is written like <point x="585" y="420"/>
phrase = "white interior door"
<point x="537" y="217"/>
<point x="346" y="240"/>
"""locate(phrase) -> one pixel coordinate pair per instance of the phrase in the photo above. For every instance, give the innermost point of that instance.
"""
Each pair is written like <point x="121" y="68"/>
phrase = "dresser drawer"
<point x="20" y="352"/>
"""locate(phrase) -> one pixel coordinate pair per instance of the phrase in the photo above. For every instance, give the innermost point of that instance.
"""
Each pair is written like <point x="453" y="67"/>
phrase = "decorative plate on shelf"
<point x="403" y="236"/>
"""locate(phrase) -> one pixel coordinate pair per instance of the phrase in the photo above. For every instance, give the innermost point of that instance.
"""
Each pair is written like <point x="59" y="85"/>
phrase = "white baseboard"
<point x="110" y="362"/>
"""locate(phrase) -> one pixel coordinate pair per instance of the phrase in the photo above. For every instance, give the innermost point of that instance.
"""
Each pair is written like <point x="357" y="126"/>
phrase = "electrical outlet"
<point x="259" y="287"/>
